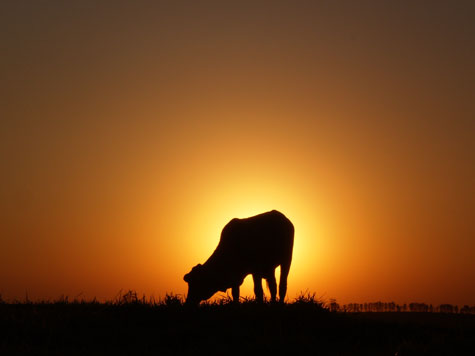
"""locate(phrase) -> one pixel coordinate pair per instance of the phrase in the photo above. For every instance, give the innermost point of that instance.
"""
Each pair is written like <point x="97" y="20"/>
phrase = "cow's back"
<point x="257" y="244"/>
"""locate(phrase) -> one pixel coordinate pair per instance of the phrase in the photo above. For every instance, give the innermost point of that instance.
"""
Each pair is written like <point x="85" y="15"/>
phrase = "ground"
<point x="167" y="328"/>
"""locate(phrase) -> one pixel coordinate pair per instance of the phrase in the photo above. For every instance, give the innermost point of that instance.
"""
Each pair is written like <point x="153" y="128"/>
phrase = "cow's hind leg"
<point x="258" y="287"/>
<point x="284" y="272"/>
<point x="235" y="293"/>
<point x="272" y="286"/>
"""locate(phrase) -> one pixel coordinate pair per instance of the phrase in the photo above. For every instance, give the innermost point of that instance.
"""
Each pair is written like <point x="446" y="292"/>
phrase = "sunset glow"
<point x="131" y="134"/>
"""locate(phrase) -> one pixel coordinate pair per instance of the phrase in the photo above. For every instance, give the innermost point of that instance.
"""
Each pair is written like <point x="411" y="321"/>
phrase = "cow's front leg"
<point x="258" y="288"/>
<point x="272" y="286"/>
<point x="235" y="292"/>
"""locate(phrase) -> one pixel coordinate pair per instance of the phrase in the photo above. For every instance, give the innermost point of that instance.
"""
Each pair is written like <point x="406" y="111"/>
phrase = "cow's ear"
<point x="197" y="267"/>
<point x="186" y="278"/>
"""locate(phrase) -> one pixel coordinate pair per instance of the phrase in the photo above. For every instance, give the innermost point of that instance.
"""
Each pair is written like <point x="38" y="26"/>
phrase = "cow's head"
<point x="201" y="284"/>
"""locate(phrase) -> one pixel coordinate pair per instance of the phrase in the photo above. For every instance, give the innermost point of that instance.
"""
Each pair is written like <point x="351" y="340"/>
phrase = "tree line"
<point x="394" y="307"/>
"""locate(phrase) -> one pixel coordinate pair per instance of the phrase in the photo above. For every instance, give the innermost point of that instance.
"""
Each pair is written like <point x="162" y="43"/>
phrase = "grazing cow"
<point x="257" y="246"/>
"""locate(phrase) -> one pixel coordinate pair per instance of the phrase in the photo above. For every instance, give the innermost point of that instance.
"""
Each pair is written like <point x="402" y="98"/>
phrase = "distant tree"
<point x="334" y="306"/>
<point x="418" y="307"/>
<point x="446" y="308"/>
<point x="467" y="310"/>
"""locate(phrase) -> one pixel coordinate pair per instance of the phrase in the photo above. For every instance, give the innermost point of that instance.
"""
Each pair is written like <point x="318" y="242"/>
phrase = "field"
<point x="167" y="327"/>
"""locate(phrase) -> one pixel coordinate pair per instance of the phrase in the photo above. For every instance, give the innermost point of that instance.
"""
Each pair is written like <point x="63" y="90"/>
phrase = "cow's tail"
<point x="285" y="266"/>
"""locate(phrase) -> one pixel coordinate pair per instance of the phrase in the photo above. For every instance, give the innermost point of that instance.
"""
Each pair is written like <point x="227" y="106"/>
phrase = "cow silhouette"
<point x="257" y="246"/>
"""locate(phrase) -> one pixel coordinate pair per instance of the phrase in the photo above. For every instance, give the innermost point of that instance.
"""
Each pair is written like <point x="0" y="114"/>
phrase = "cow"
<point x="256" y="246"/>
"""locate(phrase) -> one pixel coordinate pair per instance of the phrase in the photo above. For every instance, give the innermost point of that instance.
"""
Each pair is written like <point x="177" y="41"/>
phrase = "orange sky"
<point x="131" y="133"/>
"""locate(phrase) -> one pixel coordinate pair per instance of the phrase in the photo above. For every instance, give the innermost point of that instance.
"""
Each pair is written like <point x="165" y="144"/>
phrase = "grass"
<point x="133" y="325"/>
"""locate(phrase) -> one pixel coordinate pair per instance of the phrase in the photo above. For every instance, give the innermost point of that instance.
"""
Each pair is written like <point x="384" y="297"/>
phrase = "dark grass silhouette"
<point x="255" y="245"/>
<point x="130" y="325"/>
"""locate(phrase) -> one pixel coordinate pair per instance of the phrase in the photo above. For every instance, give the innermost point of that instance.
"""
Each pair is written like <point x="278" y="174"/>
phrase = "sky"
<point x="133" y="131"/>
